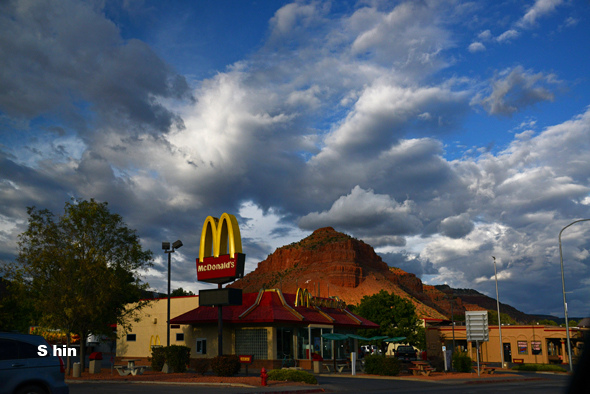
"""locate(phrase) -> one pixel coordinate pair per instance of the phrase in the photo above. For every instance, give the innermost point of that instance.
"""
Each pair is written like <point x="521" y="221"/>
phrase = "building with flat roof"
<point x="536" y="344"/>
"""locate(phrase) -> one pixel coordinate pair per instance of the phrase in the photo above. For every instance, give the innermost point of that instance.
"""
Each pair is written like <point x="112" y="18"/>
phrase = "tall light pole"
<point x="166" y="247"/>
<point x="499" y="322"/>
<point x="567" y="327"/>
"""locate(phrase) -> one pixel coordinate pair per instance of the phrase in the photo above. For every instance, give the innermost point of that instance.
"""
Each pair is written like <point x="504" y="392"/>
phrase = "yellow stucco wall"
<point x="151" y="329"/>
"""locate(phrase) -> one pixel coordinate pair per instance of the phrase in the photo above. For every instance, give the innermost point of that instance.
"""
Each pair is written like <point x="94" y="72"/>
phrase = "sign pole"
<point x="219" y="327"/>
<point x="477" y="346"/>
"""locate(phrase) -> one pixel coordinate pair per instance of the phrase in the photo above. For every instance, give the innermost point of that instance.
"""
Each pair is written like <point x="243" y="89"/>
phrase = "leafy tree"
<point x="15" y="297"/>
<point x="181" y="292"/>
<point x="81" y="269"/>
<point x="504" y="318"/>
<point x="547" y="322"/>
<point x="395" y="315"/>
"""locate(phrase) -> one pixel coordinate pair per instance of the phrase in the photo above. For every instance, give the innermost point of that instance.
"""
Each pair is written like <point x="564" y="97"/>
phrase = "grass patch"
<point x="539" y="367"/>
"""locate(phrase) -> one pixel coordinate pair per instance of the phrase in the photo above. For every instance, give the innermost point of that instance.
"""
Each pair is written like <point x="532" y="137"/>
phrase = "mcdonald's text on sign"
<point x="220" y="254"/>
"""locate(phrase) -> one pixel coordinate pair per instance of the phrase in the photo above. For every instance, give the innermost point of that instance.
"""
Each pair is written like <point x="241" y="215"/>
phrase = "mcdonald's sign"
<point x="220" y="254"/>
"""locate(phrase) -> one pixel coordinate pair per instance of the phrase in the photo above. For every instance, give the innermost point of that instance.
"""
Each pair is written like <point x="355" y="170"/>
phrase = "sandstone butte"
<point x="330" y="263"/>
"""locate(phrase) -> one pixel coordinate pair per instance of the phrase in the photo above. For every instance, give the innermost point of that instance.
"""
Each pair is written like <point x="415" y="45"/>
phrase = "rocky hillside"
<point x="330" y="263"/>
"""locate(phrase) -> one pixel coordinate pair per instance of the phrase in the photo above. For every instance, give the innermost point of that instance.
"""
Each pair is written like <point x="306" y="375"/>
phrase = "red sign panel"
<point x="245" y="359"/>
<point x="222" y="269"/>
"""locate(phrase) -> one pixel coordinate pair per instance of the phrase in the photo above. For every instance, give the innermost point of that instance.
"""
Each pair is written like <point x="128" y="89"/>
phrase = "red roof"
<point x="270" y="309"/>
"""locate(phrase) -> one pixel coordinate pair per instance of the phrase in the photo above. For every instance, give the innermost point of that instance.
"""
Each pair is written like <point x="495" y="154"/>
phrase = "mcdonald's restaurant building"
<point x="521" y="344"/>
<point x="269" y="325"/>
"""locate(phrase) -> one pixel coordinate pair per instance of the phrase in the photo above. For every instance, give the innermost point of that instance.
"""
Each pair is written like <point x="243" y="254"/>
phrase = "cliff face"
<point x="329" y="263"/>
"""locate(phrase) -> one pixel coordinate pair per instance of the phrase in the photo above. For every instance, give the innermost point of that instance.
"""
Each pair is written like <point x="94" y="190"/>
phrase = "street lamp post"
<point x="567" y="327"/>
<point x="499" y="322"/>
<point x="166" y="247"/>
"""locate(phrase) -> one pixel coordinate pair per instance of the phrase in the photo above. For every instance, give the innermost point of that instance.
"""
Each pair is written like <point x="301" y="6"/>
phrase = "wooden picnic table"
<point x="487" y="369"/>
<point x="421" y="368"/>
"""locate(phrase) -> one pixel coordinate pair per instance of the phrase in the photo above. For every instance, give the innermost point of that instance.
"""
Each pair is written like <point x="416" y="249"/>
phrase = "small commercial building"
<point x="535" y="344"/>
<point x="271" y="326"/>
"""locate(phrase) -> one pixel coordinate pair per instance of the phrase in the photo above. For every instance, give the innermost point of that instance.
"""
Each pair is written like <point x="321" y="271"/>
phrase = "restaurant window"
<point x="523" y="347"/>
<point x="201" y="346"/>
<point x="131" y="337"/>
<point x="252" y="342"/>
<point x="536" y="348"/>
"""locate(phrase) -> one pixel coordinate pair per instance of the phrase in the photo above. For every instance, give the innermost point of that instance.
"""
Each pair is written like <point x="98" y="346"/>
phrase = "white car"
<point x="371" y="349"/>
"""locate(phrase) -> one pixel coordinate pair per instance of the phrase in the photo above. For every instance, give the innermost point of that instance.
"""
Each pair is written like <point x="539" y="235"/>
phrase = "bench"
<point x="125" y="370"/>
<point x="486" y="369"/>
<point x="421" y="371"/>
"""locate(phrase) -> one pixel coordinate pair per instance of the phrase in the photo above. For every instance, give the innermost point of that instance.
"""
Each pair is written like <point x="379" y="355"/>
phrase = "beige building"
<point x="152" y="330"/>
<point x="534" y="344"/>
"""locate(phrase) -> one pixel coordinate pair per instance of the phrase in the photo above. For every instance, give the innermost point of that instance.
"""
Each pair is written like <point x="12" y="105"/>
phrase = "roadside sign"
<point x="476" y="323"/>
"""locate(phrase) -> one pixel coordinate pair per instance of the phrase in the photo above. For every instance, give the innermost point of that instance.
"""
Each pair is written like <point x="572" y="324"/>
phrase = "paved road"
<point x="534" y="383"/>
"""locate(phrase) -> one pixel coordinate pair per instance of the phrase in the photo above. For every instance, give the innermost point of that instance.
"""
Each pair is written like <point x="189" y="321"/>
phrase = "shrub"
<point x="227" y="365"/>
<point x="539" y="367"/>
<point x="200" y="365"/>
<point x="158" y="358"/>
<point x="381" y="365"/>
<point x="177" y="357"/>
<point x="461" y="362"/>
<point x="292" y="375"/>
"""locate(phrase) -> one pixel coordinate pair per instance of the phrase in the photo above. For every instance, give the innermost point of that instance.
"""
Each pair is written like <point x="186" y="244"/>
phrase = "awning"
<point x="394" y="339"/>
<point x="335" y="336"/>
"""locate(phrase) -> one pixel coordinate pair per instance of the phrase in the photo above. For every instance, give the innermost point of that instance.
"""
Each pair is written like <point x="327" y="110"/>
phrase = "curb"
<point x="70" y="381"/>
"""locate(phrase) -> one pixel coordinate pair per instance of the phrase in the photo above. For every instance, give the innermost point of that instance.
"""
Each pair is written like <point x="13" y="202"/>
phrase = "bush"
<point x="158" y="358"/>
<point x="177" y="357"/>
<point x="381" y="365"/>
<point x="461" y="362"/>
<point x="200" y="365"/>
<point x="539" y="367"/>
<point x="228" y="365"/>
<point x="292" y="375"/>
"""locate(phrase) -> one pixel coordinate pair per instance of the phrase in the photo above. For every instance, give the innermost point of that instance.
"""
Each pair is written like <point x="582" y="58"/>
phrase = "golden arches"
<point x="220" y="236"/>
<point x="154" y="342"/>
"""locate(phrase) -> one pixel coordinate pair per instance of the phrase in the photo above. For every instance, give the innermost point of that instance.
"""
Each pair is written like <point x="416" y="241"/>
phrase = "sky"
<point x="442" y="133"/>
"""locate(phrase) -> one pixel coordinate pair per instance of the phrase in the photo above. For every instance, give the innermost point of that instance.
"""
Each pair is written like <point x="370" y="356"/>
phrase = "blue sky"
<point x="440" y="132"/>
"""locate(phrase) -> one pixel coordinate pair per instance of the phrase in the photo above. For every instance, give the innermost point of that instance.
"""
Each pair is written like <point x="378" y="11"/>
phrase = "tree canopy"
<point x="395" y="315"/>
<point x="82" y="268"/>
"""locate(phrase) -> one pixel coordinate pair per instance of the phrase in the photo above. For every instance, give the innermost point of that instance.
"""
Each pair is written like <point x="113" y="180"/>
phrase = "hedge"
<point x="291" y="375"/>
<point x="227" y="365"/>
<point x="177" y="357"/>
<point x="376" y="364"/>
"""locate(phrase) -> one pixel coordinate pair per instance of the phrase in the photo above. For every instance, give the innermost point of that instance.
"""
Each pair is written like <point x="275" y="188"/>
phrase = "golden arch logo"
<point x="220" y="253"/>
<point x="304" y="298"/>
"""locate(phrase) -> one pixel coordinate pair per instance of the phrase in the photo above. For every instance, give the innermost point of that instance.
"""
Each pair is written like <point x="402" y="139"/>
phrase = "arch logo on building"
<point x="220" y="254"/>
<point x="304" y="298"/>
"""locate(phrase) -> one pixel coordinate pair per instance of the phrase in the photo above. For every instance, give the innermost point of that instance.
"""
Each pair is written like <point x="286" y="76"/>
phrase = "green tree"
<point x="504" y="318"/>
<point x="395" y="315"/>
<point x="82" y="269"/>
<point x="181" y="292"/>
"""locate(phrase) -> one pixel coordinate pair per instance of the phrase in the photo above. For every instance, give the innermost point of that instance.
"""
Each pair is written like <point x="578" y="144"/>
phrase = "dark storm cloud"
<point x="64" y="57"/>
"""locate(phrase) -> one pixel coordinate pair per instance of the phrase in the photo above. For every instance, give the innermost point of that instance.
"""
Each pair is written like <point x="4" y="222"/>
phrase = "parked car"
<point x="371" y="349"/>
<point x="24" y="371"/>
<point x="406" y="353"/>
